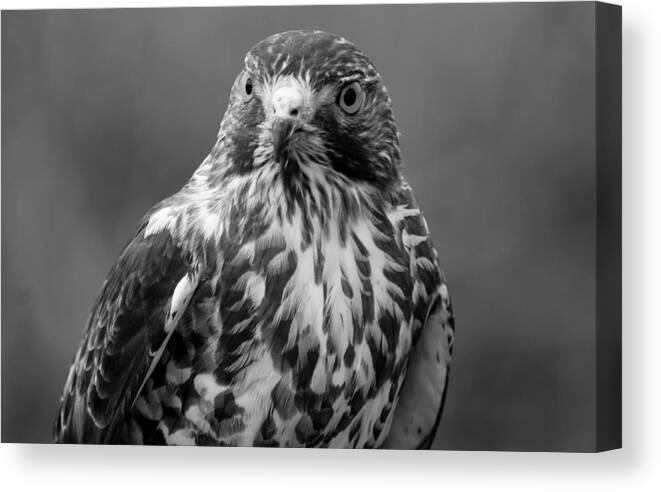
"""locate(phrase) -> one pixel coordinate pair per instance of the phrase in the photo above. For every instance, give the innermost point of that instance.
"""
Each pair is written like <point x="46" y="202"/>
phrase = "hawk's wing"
<point x="421" y="398"/>
<point x="141" y="302"/>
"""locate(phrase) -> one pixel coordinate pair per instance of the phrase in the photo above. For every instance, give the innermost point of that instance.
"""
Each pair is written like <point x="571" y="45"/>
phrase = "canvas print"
<point x="245" y="226"/>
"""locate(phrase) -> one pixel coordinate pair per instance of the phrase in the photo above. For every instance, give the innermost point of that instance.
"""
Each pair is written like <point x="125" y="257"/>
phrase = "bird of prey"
<point x="289" y="293"/>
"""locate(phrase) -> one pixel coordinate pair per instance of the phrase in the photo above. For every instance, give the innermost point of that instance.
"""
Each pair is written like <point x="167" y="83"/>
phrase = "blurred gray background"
<point x="106" y="112"/>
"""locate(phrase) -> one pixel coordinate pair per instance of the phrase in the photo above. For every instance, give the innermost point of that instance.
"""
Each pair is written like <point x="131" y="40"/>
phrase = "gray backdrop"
<point x="106" y="112"/>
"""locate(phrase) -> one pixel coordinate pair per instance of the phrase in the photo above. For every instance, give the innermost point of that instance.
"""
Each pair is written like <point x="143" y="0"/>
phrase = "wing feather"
<point x="142" y="300"/>
<point x="422" y="394"/>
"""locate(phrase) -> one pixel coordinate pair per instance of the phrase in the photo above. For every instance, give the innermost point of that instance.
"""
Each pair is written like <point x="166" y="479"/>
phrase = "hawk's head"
<point x="311" y="97"/>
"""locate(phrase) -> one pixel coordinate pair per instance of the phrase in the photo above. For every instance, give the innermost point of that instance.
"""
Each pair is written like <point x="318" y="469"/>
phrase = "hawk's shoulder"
<point x="142" y="297"/>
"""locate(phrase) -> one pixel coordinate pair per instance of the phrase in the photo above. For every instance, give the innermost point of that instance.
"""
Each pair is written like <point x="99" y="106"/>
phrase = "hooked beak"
<point x="286" y="132"/>
<point x="288" y="120"/>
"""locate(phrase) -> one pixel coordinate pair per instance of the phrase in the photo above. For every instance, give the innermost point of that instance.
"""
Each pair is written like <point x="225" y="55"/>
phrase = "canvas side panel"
<point x="608" y="29"/>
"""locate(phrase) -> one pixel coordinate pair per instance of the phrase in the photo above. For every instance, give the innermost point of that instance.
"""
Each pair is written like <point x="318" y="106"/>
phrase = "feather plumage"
<point x="281" y="296"/>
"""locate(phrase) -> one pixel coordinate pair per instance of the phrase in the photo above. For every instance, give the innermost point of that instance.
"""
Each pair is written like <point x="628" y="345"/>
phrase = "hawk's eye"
<point x="351" y="98"/>
<point x="248" y="86"/>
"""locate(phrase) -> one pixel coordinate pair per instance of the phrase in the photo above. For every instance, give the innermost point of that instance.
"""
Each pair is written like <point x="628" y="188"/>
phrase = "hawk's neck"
<point x="310" y="201"/>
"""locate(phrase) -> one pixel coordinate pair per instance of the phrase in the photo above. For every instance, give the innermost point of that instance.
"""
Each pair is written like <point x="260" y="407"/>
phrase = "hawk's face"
<point x="310" y="96"/>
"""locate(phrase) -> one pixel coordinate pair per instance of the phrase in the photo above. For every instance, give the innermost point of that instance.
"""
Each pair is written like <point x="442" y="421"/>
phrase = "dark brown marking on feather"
<point x="267" y="430"/>
<point x="277" y="335"/>
<point x="331" y="345"/>
<point x="334" y="391"/>
<point x="304" y="429"/>
<point x="290" y="356"/>
<point x="190" y="396"/>
<point x="307" y="228"/>
<point x="349" y="354"/>
<point x="385" y="412"/>
<point x="318" y="264"/>
<point x="336" y="364"/>
<point x="414" y="224"/>
<point x="367" y="300"/>
<point x="326" y="326"/>
<point x="346" y="286"/>
<point x="306" y="365"/>
<point x="283" y="400"/>
<point x="376" y="431"/>
<point x="382" y="364"/>
<point x="427" y="277"/>
<point x="225" y="406"/>
<point x="390" y="326"/>
<point x="365" y="270"/>
<point x="321" y="417"/>
<point x="359" y="246"/>
<point x="357" y="402"/>
<point x="353" y="432"/>
<point x="324" y="204"/>
<point x="343" y="423"/>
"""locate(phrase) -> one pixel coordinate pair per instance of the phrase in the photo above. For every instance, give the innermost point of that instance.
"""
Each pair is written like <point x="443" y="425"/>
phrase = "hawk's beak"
<point x="288" y="119"/>
<point x="283" y="130"/>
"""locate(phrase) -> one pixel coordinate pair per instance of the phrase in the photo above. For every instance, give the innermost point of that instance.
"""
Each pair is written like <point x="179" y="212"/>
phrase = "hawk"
<point x="288" y="294"/>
